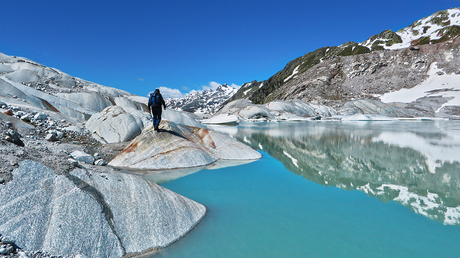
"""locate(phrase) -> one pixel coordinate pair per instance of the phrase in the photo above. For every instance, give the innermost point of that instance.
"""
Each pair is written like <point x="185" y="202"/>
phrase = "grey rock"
<point x="74" y="128"/>
<point x="114" y="125"/>
<point x="26" y="118"/>
<point x="73" y="162"/>
<point x="97" y="155"/>
<point x="91" y="214"/>
<point x="13" y="137"/>
<point x="6" y="249"/>
<point x="59" y="135"/>
<point x="178" y="146"/>
<point x="60" y="210"/>
<point x="24" y="255"/>
<point x="40" y="116"/>
<point x="100" y="162"/>
<point x="169" y="148"/>
<point x="82" y="156"/>
<point x="51" y="137"/>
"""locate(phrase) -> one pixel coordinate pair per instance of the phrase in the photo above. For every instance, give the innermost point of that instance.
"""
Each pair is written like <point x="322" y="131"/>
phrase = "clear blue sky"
<point x="141" y="45"/>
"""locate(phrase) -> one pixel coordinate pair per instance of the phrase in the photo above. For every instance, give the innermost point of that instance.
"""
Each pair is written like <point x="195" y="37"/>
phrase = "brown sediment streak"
<point x="111" y="100"/>
<point x="131" y="147"/>
<point x="49" y="105"/>
<point x="144" y="107"/>
<point x="204" y="134"/>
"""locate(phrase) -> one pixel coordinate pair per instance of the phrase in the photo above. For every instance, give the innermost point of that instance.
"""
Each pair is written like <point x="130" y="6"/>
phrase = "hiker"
<point x="155" y="102"/>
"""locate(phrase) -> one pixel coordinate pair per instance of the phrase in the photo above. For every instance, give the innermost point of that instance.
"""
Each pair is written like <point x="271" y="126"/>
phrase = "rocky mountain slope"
<point x="202" y="102"/>
<point x="387" y="62"/>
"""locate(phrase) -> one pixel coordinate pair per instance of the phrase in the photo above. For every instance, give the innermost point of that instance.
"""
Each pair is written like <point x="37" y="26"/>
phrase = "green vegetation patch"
<point x="354" y="50"/>
<point x="421" y="41"/>
<point x="440" y="17"/>
<point x="448" y="33"/>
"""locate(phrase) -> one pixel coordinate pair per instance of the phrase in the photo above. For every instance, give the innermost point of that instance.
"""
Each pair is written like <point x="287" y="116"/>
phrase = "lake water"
<point x="331" y="189"/>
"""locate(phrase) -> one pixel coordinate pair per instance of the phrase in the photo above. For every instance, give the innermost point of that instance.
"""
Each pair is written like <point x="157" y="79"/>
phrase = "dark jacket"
<point x="162" y="102"/>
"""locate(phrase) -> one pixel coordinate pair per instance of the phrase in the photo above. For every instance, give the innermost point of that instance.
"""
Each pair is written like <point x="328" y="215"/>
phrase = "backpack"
<point x="155" y="100"/>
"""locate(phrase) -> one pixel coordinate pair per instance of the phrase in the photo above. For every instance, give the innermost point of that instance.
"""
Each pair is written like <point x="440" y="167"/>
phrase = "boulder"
<point x="114" y="125"/>
<point x="91" y="214"/>
<point x="40" y="116"/>
<point x="82" y="156"/>
<point x="13" y="137"/>
<point x="178" y="146"/>
<point x="51" y="137"/>
<point x="8" y="112"/>
<point x="100" y="162"/>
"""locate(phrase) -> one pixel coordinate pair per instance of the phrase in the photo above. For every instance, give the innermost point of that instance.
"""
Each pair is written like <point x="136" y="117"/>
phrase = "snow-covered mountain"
<point x="439" y="27"/>
<point x="202" y="102"/>
<point x="409" y="73"/>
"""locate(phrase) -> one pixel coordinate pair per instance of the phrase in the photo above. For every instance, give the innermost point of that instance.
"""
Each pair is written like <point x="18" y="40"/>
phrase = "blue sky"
<point x="181" y="46"/>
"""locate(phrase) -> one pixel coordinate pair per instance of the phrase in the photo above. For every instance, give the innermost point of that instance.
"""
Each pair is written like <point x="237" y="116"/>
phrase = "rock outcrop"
<point x="178" y="146"/>
<point x="91" y="212"/>
<point x="114" y="125"/>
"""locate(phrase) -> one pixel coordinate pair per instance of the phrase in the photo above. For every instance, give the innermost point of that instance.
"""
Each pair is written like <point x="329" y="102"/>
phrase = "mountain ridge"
<point x="202" y="102"/>
<point x="442" y="26"/>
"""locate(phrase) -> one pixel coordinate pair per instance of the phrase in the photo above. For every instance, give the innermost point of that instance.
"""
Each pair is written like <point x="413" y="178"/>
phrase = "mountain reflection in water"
<point x="414" y="163"/>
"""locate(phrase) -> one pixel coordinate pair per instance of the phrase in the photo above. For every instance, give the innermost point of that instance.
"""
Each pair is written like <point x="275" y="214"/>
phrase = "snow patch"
<point x="296" y="70"/>
<point x="434" y="150"/>
<point x="437" y="84"/>
<point x="294" y="161"/>
<point x="424" y="204"/>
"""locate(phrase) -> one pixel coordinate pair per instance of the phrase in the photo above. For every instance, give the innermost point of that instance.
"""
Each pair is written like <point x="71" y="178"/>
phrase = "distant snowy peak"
<point x="440" y="26"/>
<point x="202" y="102"/>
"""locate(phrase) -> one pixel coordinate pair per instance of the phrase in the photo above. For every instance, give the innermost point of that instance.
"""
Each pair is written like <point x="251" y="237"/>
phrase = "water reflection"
<point x="415" y="163"/>
<point x="164" y="176"/>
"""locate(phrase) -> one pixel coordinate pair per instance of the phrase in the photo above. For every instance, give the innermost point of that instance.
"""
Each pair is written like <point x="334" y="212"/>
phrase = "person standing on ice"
<point x="154" y="105"/>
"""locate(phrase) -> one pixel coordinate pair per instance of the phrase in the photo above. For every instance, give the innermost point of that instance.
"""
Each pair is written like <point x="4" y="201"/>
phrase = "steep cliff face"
<point x="386" y="62"/>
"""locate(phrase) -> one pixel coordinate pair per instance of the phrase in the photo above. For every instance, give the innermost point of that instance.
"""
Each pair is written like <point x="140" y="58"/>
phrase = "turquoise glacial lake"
<point x="330" y="189"/>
